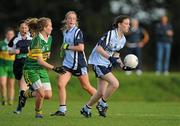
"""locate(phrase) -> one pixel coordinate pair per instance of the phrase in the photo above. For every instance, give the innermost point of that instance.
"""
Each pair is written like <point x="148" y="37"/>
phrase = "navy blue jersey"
<point x="22" y="44"/>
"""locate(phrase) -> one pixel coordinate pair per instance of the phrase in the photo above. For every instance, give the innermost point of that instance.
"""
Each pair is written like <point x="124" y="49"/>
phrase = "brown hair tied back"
<point x="37" y="25"/>
<point x="119" y="19"/>
<point x="32" y="23"/>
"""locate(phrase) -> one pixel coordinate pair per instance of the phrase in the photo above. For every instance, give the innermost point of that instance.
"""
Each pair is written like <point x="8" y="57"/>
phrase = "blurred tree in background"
<point x="95" y="17"/>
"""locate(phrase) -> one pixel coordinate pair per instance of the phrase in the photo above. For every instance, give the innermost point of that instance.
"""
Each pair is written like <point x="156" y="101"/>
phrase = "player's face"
<point x="9" y="35"/>
<point x="23" y="29"/>
<point x="71" y="20"/>
<point x="125" y="25"/>
<point x="48" y="28"/>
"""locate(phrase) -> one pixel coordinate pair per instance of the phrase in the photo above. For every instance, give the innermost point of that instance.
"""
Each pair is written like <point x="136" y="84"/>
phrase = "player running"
<point x="19" y="46"/>
<point x="74" y="61"/>
<point x="103" y="57"/>
<point x="6" y="69"/>
<point x="34" y="71"/>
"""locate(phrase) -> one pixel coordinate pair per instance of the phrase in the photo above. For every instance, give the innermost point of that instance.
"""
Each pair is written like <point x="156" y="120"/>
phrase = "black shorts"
<point x="18" y="68"/>
<point x="78" y="72"/>
<point x="101" y="70"/>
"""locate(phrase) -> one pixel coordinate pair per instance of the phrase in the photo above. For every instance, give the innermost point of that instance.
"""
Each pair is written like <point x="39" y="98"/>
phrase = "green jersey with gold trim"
<point x="5" y="57"/>
<point x="39" y="48"/>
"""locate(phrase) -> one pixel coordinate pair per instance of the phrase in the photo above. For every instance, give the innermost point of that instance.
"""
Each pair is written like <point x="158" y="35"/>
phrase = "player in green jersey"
<point x="6" y="69"/>
<point x="34" y="70"/>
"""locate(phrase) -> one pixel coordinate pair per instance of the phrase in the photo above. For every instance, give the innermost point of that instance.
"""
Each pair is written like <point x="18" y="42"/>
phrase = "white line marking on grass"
<point x="146" y="115"/>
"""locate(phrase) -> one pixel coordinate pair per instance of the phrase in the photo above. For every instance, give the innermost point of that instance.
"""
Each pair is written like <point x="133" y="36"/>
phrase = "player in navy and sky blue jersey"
<point x="103" y="57"/>
<point x="74" y="60"/>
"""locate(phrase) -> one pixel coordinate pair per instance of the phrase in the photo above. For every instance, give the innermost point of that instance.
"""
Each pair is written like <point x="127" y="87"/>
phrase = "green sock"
<point x="38" y="111"/>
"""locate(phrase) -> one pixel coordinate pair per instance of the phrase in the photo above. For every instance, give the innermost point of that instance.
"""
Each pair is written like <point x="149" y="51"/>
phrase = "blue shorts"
<point x="78" y="72"/>
<point x="101" y="70"/>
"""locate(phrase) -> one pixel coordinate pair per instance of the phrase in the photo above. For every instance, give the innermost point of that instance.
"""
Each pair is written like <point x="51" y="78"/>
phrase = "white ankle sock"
<point x="62" y="108"/>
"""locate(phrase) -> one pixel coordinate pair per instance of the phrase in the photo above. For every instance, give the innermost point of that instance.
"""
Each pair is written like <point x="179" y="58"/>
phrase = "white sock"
<point x="62" y="108"/>
<point x="87" y="108"/>
<point x="101" y="102"/>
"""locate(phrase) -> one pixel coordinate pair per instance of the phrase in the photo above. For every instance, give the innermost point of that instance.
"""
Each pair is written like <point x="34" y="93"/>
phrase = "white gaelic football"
<point x="131" y="61"/>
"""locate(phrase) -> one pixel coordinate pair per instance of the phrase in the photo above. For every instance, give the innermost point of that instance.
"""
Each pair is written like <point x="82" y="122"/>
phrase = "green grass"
<point x="119" y="114"/>
<point x="146" y="100"/>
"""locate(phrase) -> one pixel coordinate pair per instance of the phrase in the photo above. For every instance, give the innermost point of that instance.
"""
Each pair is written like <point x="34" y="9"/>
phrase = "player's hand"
<point x="65" y="46"/>
<point x="17" y="51"/>
<point x="114" y="60"/>
<point x="126" y="68"/>
<point x="59" y="70"/>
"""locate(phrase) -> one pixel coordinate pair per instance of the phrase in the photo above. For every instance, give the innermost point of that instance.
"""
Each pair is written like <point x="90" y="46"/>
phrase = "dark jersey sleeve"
<point x="11" y="42"/>
<point x="102" y="40"/>
<point x="79" y="37"/>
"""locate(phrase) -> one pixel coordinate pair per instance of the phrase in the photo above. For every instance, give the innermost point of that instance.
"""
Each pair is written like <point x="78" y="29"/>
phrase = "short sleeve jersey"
<point x="111" y="43"/>
<point x="19" y="43"/>
<point x="5" y="57"/>
<point x="74" y="59"/>
<point x="39" y="48"/>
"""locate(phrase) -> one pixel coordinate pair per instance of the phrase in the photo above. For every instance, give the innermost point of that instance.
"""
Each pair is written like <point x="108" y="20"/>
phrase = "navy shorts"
<point x="101" y="70"/>
<point x="18" y="68"/>
<point x="78" y="72"/>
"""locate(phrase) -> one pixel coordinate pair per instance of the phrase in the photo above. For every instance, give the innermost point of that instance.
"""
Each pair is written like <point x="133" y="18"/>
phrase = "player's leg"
<point x="3" y="85"/>
<point x="46" y="84"/>
<point x="102" y="85"/>
<point x="3" y="81"/>
<point x="113" y="84"/>
<point x="39" y="101"/>
<point x="62" y="82"/>
<point x="10" y="83"/>
<point x="84" y="81"/>
<point x="22" y="84"/>
<point x="33" y="80"/>
<point x="22" y="89"/>
<point x="10" y="86"/>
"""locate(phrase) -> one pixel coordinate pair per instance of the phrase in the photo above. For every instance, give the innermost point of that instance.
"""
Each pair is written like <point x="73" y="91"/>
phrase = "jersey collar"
<point x="41" y="36"/>
<point x="116" y="32"/>
<point x="28" y="35"/>
<point x="71" y="29"/>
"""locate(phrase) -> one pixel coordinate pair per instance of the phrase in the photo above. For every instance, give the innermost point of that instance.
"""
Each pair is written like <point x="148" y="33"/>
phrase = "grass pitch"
<point x="146" y="100"/>
<point x="118" y="114"/>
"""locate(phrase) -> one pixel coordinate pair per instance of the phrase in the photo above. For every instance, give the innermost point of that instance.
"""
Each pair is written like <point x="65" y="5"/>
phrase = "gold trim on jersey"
<point x="28" y="81"/>
<point x="6" y="56"/>
<point x="35" y="53"/>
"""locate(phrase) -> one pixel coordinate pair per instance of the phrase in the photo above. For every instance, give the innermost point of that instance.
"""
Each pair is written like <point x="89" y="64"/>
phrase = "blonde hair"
<point x="37" y="25"/>
<point x="66" y="16"/>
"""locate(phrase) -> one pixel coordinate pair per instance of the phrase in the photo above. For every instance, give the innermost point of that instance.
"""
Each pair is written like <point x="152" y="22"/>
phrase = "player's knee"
<point x="61" y="86"/>
<point x="86" y="87"/>
<point x="41" y="94"/>
<point x="48" y="96"/>
<point x="100" y="93"/>
<point x="115" y="85"/>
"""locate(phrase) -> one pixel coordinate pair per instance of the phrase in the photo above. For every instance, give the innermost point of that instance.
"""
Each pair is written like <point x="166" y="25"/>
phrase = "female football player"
<point x="6" y="69"/>
<point x="103" y="56"/>
<point x="34" y="70"/>
<point x="19" y="46"/>
<point x="74" y="61"/>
